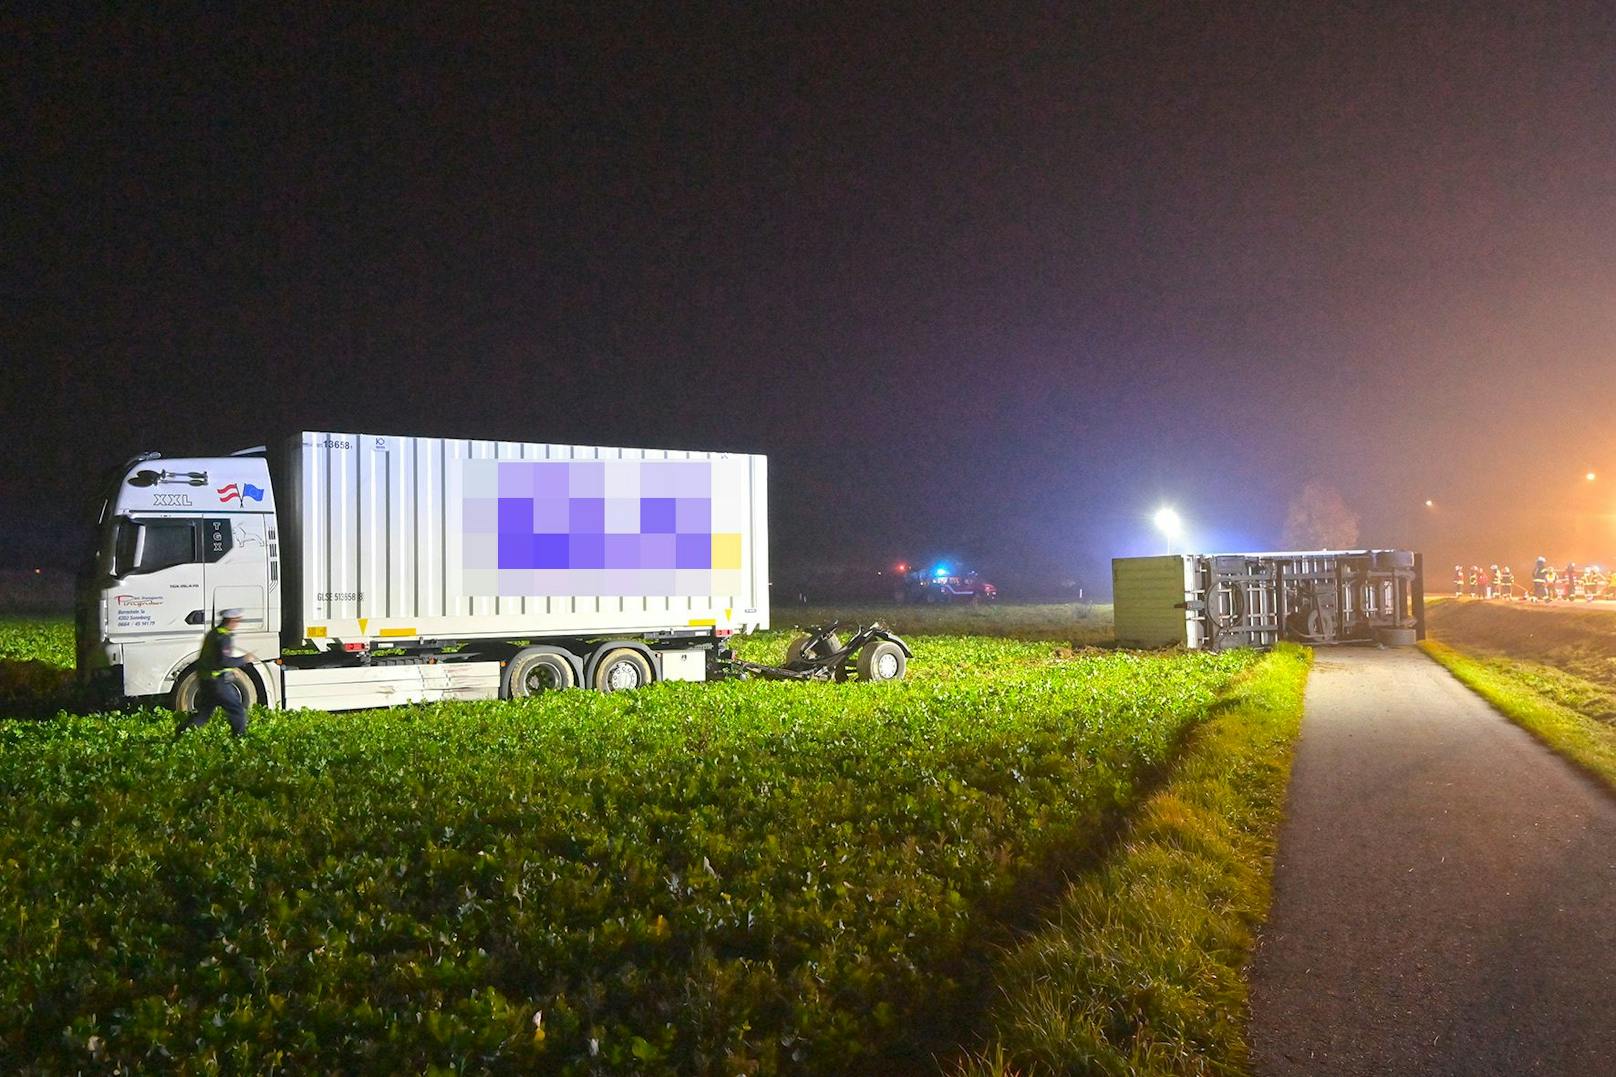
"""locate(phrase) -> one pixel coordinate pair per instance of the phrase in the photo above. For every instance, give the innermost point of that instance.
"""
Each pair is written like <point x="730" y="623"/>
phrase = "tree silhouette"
<point x="1319" y="519"/>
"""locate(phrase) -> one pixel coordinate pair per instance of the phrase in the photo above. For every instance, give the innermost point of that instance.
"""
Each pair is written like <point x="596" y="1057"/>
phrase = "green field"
<point x="733" y="877"/>
<point x="1072" y="623"/>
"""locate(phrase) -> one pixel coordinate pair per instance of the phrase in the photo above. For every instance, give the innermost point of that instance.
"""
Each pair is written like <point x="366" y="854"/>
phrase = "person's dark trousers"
<point x="221" y="693"/>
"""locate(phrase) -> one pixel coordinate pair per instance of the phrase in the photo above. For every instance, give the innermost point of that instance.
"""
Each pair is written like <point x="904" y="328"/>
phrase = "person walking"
<point x="216" y="690"/>
<point x="1540" y="580"/>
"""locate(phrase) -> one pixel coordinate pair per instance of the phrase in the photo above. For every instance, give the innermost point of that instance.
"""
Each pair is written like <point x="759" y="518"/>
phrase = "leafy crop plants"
<point x="734" y="877"/>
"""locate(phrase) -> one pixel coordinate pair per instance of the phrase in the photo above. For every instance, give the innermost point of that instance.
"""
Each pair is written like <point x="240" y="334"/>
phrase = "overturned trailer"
<point x="1214" y="601"/>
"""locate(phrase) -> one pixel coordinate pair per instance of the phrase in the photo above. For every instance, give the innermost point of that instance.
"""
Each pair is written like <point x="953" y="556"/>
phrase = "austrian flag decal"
<point x="246" y="491"/>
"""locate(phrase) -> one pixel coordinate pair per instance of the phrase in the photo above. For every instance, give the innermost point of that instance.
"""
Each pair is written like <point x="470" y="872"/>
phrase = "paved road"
<point x="1445" y="893"/>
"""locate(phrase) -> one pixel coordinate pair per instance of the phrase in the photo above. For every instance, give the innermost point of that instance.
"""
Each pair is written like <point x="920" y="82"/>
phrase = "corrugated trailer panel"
<point x="1148" y="595"/>
<point x="402" y="537"/>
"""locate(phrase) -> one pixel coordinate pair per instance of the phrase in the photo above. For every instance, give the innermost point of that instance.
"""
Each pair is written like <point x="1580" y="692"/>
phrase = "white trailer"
<point x="376" y="569"/>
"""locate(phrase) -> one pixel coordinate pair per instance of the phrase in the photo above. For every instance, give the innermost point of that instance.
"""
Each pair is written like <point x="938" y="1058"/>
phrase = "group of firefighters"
<point x="1548" y="584"/>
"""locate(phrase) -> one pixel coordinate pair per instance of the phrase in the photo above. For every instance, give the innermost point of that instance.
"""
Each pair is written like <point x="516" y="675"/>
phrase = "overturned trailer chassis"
<point x="872" y="654"/>
<point x="1315" y="597"/>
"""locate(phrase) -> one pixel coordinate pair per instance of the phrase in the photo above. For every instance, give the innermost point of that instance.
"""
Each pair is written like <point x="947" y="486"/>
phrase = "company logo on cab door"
<point x="245" y="492"/>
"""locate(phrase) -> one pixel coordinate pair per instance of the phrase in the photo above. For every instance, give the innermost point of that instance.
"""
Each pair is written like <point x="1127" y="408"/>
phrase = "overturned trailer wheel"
<point x="811" y="646"/>
<point x="882" y="660"/>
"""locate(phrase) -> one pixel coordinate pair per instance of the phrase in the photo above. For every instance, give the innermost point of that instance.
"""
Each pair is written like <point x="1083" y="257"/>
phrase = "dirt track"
<point x="1445" y="894"/>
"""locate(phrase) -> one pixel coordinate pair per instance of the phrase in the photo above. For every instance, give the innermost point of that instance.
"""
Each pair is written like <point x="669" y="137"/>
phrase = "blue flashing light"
<point x="940" y="571"/>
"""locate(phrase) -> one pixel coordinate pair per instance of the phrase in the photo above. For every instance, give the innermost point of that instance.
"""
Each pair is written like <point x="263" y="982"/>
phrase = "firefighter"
<point x="219" y="654"/>
<point x="1591" y="583"/>
<point x="1571" y="581"/>
<point x="1506" y="584"/>
<point x="1488" y="577"/>
<point x="1475" y="581"/>
<point x="1458" y="581"/>
<point x="1542" y="576"/>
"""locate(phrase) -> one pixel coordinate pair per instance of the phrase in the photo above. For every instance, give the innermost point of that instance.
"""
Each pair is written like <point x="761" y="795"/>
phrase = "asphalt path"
<point x="1445" y="891"/>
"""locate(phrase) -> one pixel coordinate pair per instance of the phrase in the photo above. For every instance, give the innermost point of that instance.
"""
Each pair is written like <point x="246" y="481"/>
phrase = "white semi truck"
<point x="373" y="569"/>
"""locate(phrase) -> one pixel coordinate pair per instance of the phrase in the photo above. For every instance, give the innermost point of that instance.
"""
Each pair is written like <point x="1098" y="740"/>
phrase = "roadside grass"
<point x="1540" y="700"/>
<point x="1141" y="967"/>
<point x="1568" y="638"/>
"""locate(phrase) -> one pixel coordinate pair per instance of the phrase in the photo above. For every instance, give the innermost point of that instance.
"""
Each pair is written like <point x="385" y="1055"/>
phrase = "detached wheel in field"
<point x="183" y="698"/>
<point x="882" y="660"/>
<point x="798" y="648"/>
<point x="533" y="673"/>
<point x="622" y="670"/>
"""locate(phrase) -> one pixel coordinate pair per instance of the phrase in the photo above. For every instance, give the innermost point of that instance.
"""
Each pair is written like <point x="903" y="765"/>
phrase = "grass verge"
<point x="1140" y="969"/>
<point x="1512" y="687"/>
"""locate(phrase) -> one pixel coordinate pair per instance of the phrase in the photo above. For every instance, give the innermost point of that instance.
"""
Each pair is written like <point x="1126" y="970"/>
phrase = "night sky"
<point x="987" y="282"/>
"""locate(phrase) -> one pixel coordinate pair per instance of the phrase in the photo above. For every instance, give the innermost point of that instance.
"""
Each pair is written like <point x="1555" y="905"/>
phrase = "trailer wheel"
<point x="798" y="648"/>
<point x="882" y="660"/>
<point x="622" y="670"/>
<point x="533" y="673"/>
<point x="183" y="699"/>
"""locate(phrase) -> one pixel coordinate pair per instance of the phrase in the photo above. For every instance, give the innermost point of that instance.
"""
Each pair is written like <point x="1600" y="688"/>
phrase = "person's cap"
<point x="230" y="615"/>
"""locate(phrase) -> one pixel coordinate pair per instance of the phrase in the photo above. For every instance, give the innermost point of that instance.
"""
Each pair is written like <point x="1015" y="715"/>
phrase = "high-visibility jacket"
<point x="218" y="653"/>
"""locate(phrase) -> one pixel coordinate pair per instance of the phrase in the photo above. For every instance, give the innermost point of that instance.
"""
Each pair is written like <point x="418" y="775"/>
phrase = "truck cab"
<point x="176" y="541"/>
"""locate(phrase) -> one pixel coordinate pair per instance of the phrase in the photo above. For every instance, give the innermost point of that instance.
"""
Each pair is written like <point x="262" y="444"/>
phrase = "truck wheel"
<point x="622" y="670"/>
<point x="882" y="660"/>
<point x="533" y="673"/>
<point x="183" y="698"/>
<point x="798" y="648"/>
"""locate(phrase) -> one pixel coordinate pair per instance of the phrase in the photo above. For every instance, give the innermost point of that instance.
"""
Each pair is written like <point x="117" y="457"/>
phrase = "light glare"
<point x="1168" y="523"/>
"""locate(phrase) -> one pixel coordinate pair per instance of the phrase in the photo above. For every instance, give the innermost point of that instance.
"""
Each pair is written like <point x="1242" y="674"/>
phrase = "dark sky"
<point x="985" y="281"/>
